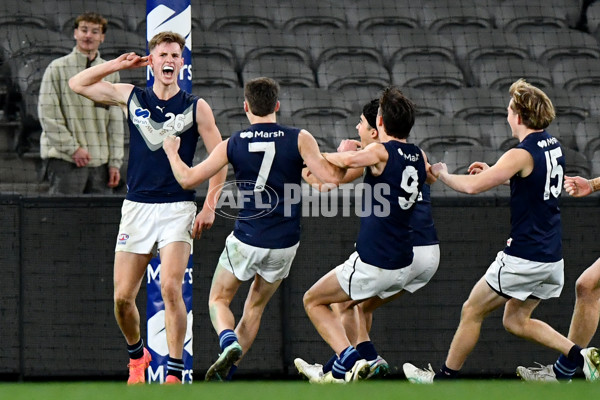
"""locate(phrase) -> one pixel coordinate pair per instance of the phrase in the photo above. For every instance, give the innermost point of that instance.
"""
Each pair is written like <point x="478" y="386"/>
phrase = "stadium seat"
<point x="473" y="48"/>
<point x="344" y="45"/>
<point x="428" y="103"/>
<point x="595" y="164"/>
<point x="119" y="42"/>
<point x="337" y="74"/>
<point x="500" y="136"/>
<point x="16" y="41"/>
<point x="275" y="45"/>
<point x="235" y="16"/>
<point x="452" y="16"/>
<point x="382" y="18"/>
<point x="552" y="45"/>
<point x="227" y="102"/>
<point x="313" y="103"/>
<point x="500" y="74"/>
<point x="120" y="15"/>
<point x="593" y="19"/>
<point x="287" y="74"/>
<point x="322" y="130"/>
<point x="514" y="16"/>
<point x="213" y="73"/>
<point x="311" y="17"/>
<point x="479" y="106"/>
<point x="24" y="14"/>
<point x="577" y="76"/>
<point x="440" y="75"/>
<point x="594" y="104"/>
<point x="415" y="45"/>
<point x="576" y="163"/>
<point x="210" y="46"/>
<point x="571" y="108"/>
<point x="442" y="133"/>
<point x="587" y="135"/>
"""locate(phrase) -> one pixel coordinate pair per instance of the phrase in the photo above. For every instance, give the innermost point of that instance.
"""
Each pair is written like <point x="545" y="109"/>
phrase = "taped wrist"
<point x="595" y="184"/>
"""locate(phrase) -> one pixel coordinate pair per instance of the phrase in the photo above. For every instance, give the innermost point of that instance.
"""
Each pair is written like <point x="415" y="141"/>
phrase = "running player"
<point x="266" y="156"/>
<point x="530" y="268"/>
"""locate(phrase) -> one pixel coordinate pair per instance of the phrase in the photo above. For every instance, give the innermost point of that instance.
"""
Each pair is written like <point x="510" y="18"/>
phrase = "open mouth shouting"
<point x="168" y="71"/>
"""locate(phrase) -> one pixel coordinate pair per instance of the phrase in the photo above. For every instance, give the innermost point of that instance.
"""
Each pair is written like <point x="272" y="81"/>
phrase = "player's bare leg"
<point x="480" y="303"/>
<point x="317" y="299"/>
<point x="586" y="313"/>
<point x="259" y="294"/>
<point x="174" y="259"/>
<point x="517" y="320"/>
<point x="129" y="270"/>
<point x="223" y="288"/>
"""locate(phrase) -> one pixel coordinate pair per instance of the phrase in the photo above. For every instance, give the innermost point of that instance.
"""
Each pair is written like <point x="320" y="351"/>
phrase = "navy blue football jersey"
<point x="536" y="232"/>
<point x="385" y="236"/>
<point x="421" y="220"/>
<point x="150" y="120"/>
<point x="268" y="173"/>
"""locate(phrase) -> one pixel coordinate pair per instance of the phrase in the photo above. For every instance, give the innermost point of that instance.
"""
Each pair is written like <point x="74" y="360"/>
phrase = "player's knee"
<point x="308" y="299"/>
<point x="170" y="291"/>
<point x="584" y="288"/>
<point x="513" y="324"/>
<point x="122" y="302"/>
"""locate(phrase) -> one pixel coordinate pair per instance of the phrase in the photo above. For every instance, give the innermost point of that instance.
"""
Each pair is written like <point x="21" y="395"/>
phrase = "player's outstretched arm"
<point x="188" y="177"/>
<point x="316" y="163"/>
<point x="90" y="83"/>
<point x="512" y="162"/>
<point x="577" y="186"/>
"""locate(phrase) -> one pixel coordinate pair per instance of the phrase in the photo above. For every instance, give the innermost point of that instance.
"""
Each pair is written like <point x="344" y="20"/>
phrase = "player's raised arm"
<point x="90" y="83"/>
<point x="188" y="177"/>
<point x="512" y="162"/>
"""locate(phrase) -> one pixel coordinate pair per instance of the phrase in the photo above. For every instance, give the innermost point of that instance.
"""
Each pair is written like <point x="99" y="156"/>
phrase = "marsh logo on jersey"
<point x="247" y="135"/>
<point x="140" y="116"/>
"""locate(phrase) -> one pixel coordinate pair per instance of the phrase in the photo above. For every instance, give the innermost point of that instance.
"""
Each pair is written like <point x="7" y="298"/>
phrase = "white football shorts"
<point x="245" y="261"/>
<point x="519" y="278"/>
<point x="144" y="224"/>
<point x="361" y="280"/>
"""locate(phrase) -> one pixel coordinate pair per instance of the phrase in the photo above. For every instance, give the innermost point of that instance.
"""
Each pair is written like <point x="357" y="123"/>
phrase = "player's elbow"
<point x="74" y="85"/>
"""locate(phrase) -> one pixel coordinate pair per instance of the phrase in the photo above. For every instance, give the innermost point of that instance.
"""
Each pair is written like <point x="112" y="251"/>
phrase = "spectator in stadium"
<point x="530" y="268"/>
<point x="357" y="319"/>
<point x="381" y="264"/>
<point x="267" y="157"/>
<point x="586" y="313"/>
<point x="81" y="141"/>
<point x="156" y="208"/>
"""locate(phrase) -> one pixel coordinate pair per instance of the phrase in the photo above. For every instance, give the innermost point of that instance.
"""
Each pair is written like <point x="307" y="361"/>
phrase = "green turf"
<point x="301" y="390"/>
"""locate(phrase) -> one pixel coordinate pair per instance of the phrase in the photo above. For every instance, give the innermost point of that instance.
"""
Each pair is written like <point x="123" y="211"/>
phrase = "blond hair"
<point x="531" y="104"/>
<point x="166" y="37"/>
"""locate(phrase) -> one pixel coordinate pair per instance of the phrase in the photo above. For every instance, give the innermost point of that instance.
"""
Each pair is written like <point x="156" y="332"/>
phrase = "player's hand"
<point x="204" y="221"/>
<point x="477" y="167"/>
<point x="131" y="60"/>
<point x="438" y="168"/>
<point x="348" y="145"/>
<point x="577" y="186"/>
<point x="114" y="176"/>
<point x="81" y="157"/>
<point x="171" y="144"/>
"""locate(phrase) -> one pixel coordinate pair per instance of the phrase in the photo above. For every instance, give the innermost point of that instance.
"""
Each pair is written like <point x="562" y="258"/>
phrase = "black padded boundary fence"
<point x="56" y="308"/>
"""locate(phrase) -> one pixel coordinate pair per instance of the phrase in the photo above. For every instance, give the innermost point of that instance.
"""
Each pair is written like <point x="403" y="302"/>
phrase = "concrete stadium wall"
<point x="56" y="293"/>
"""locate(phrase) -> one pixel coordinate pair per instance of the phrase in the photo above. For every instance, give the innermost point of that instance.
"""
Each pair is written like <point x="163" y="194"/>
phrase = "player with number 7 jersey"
<point x="267" y="159"/>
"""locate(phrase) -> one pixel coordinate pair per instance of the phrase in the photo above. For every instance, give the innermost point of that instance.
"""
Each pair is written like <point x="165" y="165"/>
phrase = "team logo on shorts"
<point x="122" y="239"/>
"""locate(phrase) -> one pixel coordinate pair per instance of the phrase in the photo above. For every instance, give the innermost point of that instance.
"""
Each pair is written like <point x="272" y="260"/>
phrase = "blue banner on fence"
<point x="174" y="16"/>
<point x="157" y="336"/>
